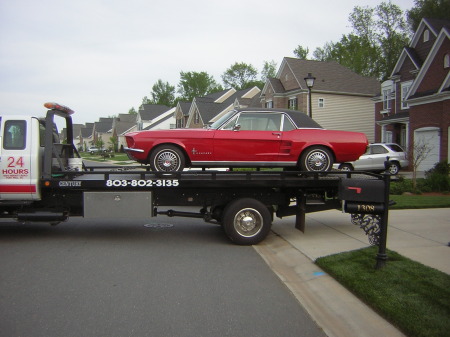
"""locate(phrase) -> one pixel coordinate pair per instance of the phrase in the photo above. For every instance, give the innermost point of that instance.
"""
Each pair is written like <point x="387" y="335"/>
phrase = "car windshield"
<point x="395" y="147"/>
<point x="222" y="120"/>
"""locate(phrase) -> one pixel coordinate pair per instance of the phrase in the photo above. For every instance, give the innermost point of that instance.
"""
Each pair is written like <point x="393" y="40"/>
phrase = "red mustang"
<point x="256" y="137"/>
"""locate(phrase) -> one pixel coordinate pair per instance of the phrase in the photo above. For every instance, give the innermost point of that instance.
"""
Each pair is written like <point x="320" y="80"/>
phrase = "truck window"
<point x="14" y="135"/>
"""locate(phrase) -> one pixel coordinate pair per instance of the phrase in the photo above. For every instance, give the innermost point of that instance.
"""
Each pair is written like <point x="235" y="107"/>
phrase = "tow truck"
<point x="44" y="179"/>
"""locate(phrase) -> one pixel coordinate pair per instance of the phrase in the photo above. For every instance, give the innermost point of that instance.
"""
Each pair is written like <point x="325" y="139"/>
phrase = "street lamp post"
<point x="310" y="83"/>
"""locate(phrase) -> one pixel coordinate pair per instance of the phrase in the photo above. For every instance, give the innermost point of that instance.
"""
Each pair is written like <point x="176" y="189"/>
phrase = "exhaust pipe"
<point x="42" y="216"/>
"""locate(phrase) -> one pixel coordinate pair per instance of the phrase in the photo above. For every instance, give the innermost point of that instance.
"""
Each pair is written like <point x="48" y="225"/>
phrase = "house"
<point x="86" y="136"/>
<point x="182" y="114"/>
<point x="414" y="106"/>
<point x="205" y="110"/>
<point x="149" y="113"/>
<point x="340" y="98"/>
<point x="103" y="132"/>
<point x="165" y="120"/>
<point x="123" y="124"/>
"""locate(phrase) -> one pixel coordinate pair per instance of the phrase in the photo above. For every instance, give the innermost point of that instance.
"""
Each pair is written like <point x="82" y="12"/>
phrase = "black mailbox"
<point x="366" y="190"/>
<point x="362" y="196"/>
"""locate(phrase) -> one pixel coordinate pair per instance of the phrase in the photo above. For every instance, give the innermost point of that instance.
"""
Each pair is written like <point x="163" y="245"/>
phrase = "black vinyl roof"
<point x="301" y="119"/>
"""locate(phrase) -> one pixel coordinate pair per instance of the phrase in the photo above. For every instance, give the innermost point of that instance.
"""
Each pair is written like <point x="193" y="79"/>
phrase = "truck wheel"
<point x="167" y="158"/>
<point x="246" y="221"/>
<point x="316" y="159"/>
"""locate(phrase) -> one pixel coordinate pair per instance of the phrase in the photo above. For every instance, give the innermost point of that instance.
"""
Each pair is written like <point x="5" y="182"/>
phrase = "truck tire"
<point x="316" y="159"/>
<point x="167" y="158"/>
<point x="246" y="221"/>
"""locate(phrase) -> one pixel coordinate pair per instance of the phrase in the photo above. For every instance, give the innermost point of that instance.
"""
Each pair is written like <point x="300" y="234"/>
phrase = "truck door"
<point x="15" y="161"/>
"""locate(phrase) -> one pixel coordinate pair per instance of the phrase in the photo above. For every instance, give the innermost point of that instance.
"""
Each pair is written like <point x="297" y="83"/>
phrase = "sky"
<point x="101" y="57"/>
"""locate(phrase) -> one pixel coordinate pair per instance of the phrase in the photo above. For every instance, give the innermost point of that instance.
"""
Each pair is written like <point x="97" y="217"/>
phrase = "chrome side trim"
<point x="133" y="150"/>
<point x="244" y="163"/>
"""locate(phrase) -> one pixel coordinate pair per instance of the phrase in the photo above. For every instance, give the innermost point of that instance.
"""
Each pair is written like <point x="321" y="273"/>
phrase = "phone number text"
<point x="143" y="183"/>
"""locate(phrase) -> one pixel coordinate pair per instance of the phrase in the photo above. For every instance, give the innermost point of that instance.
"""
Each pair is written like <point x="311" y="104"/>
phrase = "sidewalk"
<point x="421" y="235"/>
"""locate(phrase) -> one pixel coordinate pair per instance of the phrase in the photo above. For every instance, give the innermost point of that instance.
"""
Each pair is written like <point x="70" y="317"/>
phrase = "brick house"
<point x="414" y="105"/>
<point x="340" y="98"/>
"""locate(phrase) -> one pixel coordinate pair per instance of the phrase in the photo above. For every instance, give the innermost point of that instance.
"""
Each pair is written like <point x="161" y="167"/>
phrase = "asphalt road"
<point x="157" y="277"/>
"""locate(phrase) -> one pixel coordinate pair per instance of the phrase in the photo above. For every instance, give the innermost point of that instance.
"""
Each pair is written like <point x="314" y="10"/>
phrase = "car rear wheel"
<point x="346" y="167"/>
<point x="167" y="158"/>
<point x="316" y="159"/>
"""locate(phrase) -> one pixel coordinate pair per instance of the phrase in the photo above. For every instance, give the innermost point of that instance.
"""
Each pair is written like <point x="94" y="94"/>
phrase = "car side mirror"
<point x="236" y="127"/>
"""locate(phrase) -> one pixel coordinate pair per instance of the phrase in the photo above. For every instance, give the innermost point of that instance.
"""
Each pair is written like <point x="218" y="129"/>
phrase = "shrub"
<point x="437" y="178"/>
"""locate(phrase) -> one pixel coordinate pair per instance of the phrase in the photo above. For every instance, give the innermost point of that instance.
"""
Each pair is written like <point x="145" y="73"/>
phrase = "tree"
<point x="269" y="70"/>
<point x="373" y="47"/>
<point x="436" y="9"/>
<point x="392" y="35"/>
<point x="163" y="93"/>
<point x="240" y="76"/>
<point x="145" y="100"/>
<point x="114" y="141"/>
<point x="301" y="52"/>
<point x="417" y="154"/>
<point x="132" y="111"/>
<point x="196" y="84"/>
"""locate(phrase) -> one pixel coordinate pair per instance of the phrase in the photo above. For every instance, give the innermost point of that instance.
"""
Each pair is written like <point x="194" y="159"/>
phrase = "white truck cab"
<point x="23" y="141"/>
<point x="20" y="158"/>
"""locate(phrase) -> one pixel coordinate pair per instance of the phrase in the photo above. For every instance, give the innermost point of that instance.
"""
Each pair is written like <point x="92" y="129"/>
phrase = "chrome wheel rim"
<point x="317" y="161"/>
<point x="248" y="222"/>
<point x="167" y="161"/>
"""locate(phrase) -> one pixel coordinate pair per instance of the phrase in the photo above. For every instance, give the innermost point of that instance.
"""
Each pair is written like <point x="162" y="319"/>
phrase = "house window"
<point x="197" y="118"/>
<point x="388" y="138"/>
<point x="321" y="103"/>
<point x="426" y="35"/>
<point x="386" y="99"/>
<point x="269" y="104"/>
<point x="405" y="89"/>
<point x="292" y="103"/>
<point x="446" y="61"/>
<point x="386" y="92"/>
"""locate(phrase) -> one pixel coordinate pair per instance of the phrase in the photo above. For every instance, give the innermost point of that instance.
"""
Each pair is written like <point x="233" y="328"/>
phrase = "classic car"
<point x="256" y="137"/>
<point x="389" y="157"/>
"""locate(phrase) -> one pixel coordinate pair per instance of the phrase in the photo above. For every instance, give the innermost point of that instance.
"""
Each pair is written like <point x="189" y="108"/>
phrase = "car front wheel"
<point x="393" y="168"/>
<point x="316" y="159"/>
<point x="167" y="158"/>
<point x="346" y="167"/>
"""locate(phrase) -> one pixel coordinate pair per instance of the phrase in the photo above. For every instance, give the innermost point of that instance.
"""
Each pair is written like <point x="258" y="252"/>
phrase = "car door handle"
<point x="276" y="134"/>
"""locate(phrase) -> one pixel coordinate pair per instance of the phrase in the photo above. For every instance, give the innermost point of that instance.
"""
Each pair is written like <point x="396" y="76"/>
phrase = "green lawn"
<point x="413" y="297"/>
<point x="420" y="201"/>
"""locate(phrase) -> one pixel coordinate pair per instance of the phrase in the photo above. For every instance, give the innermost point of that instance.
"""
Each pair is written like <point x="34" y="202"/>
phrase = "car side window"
<point x="259" y="122"/>
<point x="378" y="149"/>
<point x="230" y="125"/>
<point x="287" y="124"/>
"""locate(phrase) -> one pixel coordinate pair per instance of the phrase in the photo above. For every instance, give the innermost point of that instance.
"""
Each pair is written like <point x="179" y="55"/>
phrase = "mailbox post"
<point x="368" y="201"/>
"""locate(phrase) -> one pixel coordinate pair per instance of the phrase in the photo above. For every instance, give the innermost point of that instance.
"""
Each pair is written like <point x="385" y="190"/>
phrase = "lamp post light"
<point x="310" y="83"/>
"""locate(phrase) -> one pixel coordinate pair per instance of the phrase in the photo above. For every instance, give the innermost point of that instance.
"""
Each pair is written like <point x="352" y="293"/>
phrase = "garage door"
<point x="430" y="138"/>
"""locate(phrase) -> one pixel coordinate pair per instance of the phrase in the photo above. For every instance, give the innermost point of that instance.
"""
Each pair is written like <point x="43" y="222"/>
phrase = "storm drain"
<point x="158" y="226"/>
